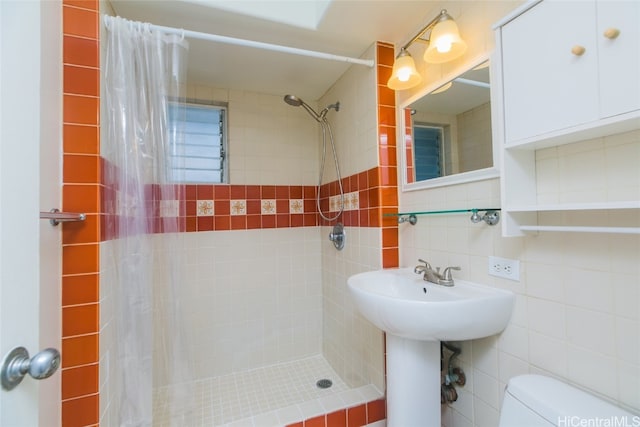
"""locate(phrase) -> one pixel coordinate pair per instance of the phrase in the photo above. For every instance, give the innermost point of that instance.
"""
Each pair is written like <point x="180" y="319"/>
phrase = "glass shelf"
<point x="491" y="216"/>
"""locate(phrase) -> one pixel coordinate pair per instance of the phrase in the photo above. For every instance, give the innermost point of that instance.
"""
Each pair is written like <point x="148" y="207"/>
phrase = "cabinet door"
<point x="619" y="57"/>
<point x="546" y="86"/>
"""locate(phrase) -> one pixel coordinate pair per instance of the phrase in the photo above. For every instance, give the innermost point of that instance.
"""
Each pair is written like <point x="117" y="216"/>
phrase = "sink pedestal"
<point x="400" y="303"/>
<point x="413" y="382"/>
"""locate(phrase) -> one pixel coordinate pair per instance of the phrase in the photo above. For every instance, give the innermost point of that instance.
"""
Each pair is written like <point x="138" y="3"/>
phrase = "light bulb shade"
<point x="445" y="43"/>
<point x="404" y="74"/>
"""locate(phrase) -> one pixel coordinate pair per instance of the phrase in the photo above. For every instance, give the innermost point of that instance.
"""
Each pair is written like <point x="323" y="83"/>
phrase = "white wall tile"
<point x="589" y="289"/>
<point x="549" y="354"/>
<point x="510" y="366"/>
<point x="263" y="127"/>
<point x="485" y="387"/>
<point x="349" y="340"/>
<point x="545" y="281"/>
<point x="250" y="304"/>
<point x="514" y="340"/>
<point x="592" y="370"/>
<point x="590" y="329"/>
<point x="626" y="295"/>
<point x="464" y="404"/>
<point x="627" y="338"/>
<point x="629" y="385"/>
<point x="485" y="415"/>
<point x="485" y="356"/>
<point x="547" y="317"/>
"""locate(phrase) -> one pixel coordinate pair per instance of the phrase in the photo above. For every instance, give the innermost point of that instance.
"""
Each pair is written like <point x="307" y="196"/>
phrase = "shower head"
<point x="297" y="102"/>
<point x="293" y="100"/>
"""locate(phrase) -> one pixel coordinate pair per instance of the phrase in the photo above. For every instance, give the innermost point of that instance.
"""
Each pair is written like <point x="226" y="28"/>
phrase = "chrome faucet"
<point x="429" y="275"/>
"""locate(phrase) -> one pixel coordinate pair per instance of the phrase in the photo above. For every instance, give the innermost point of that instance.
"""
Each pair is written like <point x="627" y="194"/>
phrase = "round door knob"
<point x="611" y="33"/>
<point x="17" y="364"/>
<point x="44" y="364"/>
<point x="578" y="50"/>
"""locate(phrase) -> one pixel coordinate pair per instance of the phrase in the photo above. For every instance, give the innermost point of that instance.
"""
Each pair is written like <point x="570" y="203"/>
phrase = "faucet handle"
<point x="426" y="264"/>
<point x="447" y="279"/>
<point x="446" y="274"/>
<point x="420" y="269"/>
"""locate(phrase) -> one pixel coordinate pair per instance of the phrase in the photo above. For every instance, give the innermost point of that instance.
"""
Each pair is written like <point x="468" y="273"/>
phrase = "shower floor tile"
<point x="279" y="393"/>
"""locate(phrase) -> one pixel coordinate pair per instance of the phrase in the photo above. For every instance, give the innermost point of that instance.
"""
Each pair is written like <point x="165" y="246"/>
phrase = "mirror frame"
<point x="464" y="177"/>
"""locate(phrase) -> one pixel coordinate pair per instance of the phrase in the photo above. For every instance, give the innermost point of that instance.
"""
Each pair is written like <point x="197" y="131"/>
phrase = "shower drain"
<point x="324" y="383"/>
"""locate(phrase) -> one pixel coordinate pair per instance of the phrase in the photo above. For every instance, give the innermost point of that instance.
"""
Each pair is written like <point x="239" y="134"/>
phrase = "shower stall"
<point x="235" y="324"/>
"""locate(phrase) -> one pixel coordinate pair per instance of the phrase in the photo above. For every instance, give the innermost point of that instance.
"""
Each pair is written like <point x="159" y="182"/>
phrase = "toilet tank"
<point x="538" y="401"/>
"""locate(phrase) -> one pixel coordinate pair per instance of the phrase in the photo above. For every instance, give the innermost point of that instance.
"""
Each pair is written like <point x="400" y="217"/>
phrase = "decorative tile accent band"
<point x="208" y="207"/>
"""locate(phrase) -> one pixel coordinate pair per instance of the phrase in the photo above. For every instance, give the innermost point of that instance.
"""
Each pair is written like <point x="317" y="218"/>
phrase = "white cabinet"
<point x="567" y="64"/>
<point x="619" y="56"/>
<point x="569" y="73"/>
<point x="546" y="87"/>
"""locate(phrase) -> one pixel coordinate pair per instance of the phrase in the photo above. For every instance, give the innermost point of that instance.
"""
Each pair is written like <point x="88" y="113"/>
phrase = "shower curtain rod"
<point x="255" y="44"/>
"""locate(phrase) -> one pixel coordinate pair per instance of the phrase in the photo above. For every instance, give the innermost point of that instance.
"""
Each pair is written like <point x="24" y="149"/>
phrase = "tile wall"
<point x="81" y="193"/>
<point x="253" y="298"/>
<point x="576" y="314"/>
<point x="84" y="299"/>
<point x="578" y="299"/>
<point x="590" y="171"/>
<point x="352" y="345"/>
<point x="474" y="133"/>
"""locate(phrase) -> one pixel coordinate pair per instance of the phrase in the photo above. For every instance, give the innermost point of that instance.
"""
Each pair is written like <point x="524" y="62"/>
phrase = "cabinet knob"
<point x="578" y="50"/>
<point x="611" y="33"/>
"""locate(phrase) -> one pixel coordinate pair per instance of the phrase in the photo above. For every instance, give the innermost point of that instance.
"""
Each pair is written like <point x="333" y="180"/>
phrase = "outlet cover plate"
<point x="505" y="268"/>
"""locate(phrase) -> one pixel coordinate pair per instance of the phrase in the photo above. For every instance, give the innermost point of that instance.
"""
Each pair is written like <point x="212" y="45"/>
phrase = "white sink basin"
<point x="399" y="302"/>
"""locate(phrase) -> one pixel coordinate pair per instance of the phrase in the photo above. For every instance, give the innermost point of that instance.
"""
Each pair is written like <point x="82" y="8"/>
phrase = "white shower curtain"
<point x="143" y="75"/>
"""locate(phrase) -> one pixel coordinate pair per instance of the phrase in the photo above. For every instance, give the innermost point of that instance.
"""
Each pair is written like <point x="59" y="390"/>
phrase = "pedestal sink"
<point x="417" y="315"/>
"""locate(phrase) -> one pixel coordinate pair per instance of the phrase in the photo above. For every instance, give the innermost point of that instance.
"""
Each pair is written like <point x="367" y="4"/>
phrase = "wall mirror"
<point x="447" y="133"/>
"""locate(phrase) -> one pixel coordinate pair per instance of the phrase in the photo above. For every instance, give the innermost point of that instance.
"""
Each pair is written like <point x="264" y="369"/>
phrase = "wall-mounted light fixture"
<point x="445" y="44"/>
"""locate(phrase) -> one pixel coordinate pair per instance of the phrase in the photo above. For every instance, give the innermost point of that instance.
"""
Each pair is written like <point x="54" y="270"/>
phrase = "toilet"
<point x="538" y="401"/>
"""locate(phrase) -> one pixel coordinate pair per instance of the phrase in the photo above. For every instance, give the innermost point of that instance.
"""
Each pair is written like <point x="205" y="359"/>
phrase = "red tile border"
<point x="82" y="411"/>
<point x="238" y="207"/>
<point x="376" y="411"/>
<point x="355" y="416"/>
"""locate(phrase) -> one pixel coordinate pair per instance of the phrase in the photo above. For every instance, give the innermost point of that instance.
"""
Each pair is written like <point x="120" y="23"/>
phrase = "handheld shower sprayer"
<point x="297" y="102"/>
<point x="326" y="128"/>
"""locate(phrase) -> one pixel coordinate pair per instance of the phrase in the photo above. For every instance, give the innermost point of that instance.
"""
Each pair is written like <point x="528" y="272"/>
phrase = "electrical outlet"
<point x="503" y="267"/>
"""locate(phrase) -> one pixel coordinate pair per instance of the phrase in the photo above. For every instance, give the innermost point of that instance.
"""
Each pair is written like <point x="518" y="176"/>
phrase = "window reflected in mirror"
<point x="448" y="131"/>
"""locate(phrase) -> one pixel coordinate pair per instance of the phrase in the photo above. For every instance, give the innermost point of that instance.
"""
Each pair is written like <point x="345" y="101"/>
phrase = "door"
<point x="30" y="145"/>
